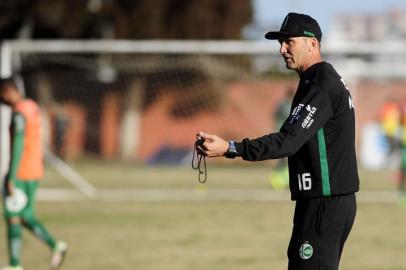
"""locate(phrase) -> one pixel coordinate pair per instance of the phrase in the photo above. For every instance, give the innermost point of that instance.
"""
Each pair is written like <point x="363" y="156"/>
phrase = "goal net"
<point x="147" y="106"/>
<point x="136" y="103"/>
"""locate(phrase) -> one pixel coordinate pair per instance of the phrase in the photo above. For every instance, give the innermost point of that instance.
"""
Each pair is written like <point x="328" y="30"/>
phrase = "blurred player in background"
<point x="402" y="178"/>
<point x="391" y="125"/>
<point x="25" y="171"/>
<point x="279" y="176"/>
<point x="319" y="140"/>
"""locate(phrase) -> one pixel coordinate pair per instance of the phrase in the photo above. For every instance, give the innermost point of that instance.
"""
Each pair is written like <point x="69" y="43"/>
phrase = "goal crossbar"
<point x="195" y="46"/>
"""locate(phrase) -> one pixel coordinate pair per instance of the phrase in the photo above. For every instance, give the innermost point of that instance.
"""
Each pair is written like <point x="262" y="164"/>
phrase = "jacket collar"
<point x="310" y="71"/>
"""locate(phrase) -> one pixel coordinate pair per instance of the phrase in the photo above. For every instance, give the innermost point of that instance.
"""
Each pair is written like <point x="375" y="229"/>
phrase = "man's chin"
<point x="289" y="66"/>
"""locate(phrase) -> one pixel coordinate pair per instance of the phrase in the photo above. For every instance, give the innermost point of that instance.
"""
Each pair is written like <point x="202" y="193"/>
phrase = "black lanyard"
<point x="202" y="172"/>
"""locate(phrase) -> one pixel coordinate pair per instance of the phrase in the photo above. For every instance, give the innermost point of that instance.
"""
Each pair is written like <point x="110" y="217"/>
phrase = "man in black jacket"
<point x="318" y="138"/>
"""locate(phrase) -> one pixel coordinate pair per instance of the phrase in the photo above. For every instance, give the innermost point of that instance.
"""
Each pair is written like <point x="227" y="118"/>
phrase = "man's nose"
<point x="282" y="49"/>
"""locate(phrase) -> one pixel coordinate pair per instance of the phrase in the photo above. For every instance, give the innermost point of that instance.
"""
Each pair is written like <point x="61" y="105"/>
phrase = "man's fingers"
<point x="210" y="145"/>
<point x="207" y="136"/>
<point x="205" y="152"/>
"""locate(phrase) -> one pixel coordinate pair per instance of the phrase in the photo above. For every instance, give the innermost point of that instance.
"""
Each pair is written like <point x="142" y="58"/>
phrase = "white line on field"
<point x="190" y="195"/>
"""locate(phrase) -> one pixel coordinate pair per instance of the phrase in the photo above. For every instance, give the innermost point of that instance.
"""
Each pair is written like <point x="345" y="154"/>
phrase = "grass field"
<point x="199" y="235"/>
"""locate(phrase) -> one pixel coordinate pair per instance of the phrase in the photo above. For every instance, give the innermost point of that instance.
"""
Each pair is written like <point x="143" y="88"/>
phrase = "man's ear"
<point x="312" y="43"/>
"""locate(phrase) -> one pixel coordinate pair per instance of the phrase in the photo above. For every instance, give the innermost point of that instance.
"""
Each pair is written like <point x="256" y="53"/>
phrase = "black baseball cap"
<point x="297" y="25"/>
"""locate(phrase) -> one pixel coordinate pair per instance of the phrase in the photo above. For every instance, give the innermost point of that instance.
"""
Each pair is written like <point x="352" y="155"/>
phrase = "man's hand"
<point x="9" y="188"/>
<point x="211" y="145"/>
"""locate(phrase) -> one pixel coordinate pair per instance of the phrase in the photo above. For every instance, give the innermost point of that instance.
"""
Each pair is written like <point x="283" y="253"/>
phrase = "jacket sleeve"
<point x="311" y="113"/>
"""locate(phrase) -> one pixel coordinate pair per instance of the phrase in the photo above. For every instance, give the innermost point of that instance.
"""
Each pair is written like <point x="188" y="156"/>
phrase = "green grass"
<point x="199" y="235"/>
<point x="184" y="236"/>
<point x="121" y="175"/>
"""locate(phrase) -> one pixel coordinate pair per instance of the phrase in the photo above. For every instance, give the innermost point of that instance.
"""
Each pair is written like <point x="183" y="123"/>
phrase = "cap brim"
<point x="277" y="34"/>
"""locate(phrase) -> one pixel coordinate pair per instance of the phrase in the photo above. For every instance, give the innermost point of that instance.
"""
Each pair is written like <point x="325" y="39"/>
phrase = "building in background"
<point x="385" y="25"/>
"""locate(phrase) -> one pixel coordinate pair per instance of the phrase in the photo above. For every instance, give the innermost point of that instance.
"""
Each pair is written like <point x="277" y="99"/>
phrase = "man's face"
<point x="295" y="52"/>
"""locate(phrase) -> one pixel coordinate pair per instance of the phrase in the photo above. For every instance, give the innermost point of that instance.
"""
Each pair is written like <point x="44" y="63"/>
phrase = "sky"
<point x="268" y="12"/>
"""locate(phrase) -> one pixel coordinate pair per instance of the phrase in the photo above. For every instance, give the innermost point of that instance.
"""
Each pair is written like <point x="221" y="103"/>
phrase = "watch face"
<point x="231" y="146"/>
<point x="232" y="151"/>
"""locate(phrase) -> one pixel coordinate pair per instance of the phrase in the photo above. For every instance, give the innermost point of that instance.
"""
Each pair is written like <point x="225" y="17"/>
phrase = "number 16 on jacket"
<point x="305" y="181"/>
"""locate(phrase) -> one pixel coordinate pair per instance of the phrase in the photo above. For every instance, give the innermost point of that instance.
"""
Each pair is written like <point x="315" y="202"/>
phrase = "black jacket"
<point x="318" y="137"/>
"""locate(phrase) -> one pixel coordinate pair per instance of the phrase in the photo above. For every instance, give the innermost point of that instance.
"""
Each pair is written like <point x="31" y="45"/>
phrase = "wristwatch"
<point x="231" y="151"/>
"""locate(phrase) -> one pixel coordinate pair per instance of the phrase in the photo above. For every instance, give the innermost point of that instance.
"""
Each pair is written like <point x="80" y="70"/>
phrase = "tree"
<point x="182" y="19"/>
<point x="13" y="15"/>
<point x="127" y="19"/>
